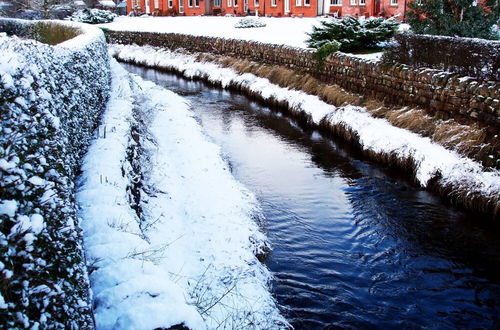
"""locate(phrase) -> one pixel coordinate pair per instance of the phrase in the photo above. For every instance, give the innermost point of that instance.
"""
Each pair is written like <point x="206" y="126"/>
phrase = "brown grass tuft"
<point x="415" y="120"/>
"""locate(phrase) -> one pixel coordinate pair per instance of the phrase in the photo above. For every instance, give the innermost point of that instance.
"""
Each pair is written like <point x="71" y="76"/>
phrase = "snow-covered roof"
<point x="122" y="4"/>
<point x="79" y="3"/>
<point x="107" y="3"/>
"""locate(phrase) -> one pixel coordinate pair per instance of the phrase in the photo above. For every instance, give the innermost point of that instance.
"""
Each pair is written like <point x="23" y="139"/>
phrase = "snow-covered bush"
<point x="51" y="99"/>
<point x="93" y="16"/>
<point x="249" y="22"/>
<point x="352" y="33"/>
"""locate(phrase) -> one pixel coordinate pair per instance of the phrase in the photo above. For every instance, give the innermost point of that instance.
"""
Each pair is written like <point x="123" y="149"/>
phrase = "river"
<point x="355" y="244"/>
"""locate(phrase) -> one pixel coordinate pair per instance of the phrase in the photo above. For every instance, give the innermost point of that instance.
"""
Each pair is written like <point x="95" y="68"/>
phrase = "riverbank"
<point x="458" y="179"/>
<point x="171" y="237"/>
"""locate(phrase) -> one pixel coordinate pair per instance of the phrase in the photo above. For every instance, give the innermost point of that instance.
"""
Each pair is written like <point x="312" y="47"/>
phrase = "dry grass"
<point x="448" y="133"/>
<point x="288" y="78"/>
<point x="53" y="33"/>
<point x="468" y="140"/>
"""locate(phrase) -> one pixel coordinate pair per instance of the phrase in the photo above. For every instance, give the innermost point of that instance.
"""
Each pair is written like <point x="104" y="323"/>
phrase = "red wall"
<point x="369" y="9"/>
<point x="357" y="10"/>
<point x="389" y="10"/>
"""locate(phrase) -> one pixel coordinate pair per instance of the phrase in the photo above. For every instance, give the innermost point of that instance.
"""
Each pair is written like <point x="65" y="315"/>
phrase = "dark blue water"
<point x="355" y="245"/>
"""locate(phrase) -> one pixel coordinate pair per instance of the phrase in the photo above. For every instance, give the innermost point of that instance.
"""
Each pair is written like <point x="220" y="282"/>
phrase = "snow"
<point x="8" y="207"/>
<point x="193" y="242"/>
<point x="372" y="56"/>
<point x="375" y="134"/>
<point x="107" y="3"/>
<point x="284" y="30"/>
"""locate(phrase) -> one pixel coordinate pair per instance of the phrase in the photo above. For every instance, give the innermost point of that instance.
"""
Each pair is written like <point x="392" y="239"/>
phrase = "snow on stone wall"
<point x="464" y="98"/>
<point x="51" y="99"/>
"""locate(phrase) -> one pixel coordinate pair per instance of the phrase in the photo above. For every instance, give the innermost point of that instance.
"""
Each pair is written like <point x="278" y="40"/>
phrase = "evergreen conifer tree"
<point x="463" y="18"/>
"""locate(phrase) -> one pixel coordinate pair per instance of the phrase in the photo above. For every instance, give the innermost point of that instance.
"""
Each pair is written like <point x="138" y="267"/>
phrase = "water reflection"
<point x="354" y="243"/>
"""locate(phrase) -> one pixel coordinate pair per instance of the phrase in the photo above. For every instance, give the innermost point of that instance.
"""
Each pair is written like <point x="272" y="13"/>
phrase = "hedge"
<point x="51" y="98"/>
<point x="472" y="57"/>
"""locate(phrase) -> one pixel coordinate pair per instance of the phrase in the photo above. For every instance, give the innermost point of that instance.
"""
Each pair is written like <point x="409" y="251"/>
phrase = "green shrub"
<point x="93" y="16"/>
<point x="353" y="34"/>
<point x="53" y="33"/>
<point x="324" y="51"/>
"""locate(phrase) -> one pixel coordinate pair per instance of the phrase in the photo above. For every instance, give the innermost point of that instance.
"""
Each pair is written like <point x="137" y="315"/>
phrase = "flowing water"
<point x="355" y="244"/>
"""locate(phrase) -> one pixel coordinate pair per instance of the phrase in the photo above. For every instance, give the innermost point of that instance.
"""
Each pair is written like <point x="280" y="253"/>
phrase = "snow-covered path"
<point x="186" y="252"/>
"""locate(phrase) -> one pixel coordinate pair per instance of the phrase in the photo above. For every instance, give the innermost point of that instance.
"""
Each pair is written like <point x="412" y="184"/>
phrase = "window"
<point x="362" y="2"/>
<point x="190" y="3"/>
<point x="256" y="3"/>
<point x="353" y="3"/>
<point x="236" y="3"/>
<point x="136" y="3"/>
<point x="229" y="3"/>
<point x="217" y="3"/>
<point x="307" y="2"/>
<point x="298" y="3"/>
<point x="273" y="3"/>
<point x="335" y="2"/>
<point x="394" y="2"/>
<point x="196" y="3"/>
<point x="170" y="3"/>
<point x="156" y="4"/>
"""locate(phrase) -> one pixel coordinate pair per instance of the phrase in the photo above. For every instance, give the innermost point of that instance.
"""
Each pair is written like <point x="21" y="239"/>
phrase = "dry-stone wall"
<point x="439" y="92"/>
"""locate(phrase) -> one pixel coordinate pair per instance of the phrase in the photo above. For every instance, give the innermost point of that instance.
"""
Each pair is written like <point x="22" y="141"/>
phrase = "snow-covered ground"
<point x="375" y="135"/>
<point x="188" y="255"/>
<point x="284" y="30"/>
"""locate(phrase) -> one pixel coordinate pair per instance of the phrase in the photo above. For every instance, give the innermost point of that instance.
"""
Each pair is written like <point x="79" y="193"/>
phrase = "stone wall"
<point x="442" y="93"/>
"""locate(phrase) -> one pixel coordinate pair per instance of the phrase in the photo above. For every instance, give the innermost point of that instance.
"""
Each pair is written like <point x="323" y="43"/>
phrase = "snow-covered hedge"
<point x="250" y="22"/>
<point x="51" y="99"/>
<point x="468" y="56"/>
<point x="93" y="16"/>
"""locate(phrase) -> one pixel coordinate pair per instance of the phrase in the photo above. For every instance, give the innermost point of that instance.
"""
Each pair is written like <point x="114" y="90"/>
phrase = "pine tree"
<point x="463" y="18"/>
<point x="352" y="33"/>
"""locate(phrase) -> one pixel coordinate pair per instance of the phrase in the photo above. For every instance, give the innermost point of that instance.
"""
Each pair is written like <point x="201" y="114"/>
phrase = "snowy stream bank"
<point x="170" y="235"/>
<point x="460" y="179"/>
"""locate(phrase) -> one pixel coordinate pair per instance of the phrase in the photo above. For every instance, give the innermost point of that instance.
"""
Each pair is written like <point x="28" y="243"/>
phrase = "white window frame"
<point x="353" y="3"/>
<point x="273" y="3"/>
<point x="256" y="3"/>
<point x="217" y="3"/>
<point x="362" y="2"/>
<point x="307" y="3"/>
<point x="136" y="3"/>
<point x="394" y="2"/>
<point x="197" y="3"/>
<point x="235" y="3"/>
<point x="170" y="3"/>
<point x="190" y="3"/>
<point x="336" y="3"/>
<point x="156" y="4"/>
<point x="298" y="3"/>
<point x="229" y="3"/>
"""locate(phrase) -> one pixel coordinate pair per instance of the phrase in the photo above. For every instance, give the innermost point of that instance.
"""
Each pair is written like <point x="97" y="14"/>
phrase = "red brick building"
<point x="277" y="8"/>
